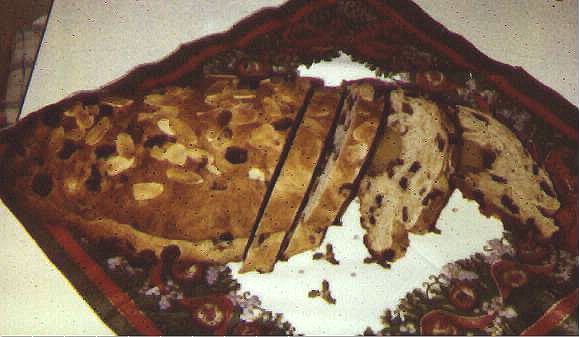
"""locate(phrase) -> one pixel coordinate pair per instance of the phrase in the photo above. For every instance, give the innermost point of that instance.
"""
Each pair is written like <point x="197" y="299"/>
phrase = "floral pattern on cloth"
<point x="465" y="298"/>
<point x="189" y="299"/>
<point x="468" y="297"/>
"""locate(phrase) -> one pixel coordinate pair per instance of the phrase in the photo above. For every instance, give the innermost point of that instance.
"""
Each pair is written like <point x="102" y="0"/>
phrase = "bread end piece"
<point x="498" y="173"/>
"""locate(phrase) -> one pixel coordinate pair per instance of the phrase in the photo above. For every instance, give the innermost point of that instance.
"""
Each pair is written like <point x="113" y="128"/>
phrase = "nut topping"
<point x="96" y="134"/>
<point x="125" y="145"/>
<point x="157" y="153"/>
<point x="222" y="76"/>
<point x="198" y="154"/>
<point x="143" y="116"/>
<point x="71" y="185"/>
<point x="220" y="86"/>
<point x="176" y="154"/>
<point x="181" y="92"/>
<point x="71" y="112"/>
<point x="243" y="114"/>
<point x="117" y="102"/>
<point x="147" y="191"/>
<point x="165" y="126"/>
<point x="183" y="131"/>
<point x="84" y="115"/>
<point x="272" y="109"/>
<point x="76" y="135"/>
<point x="213" y="169"/>
<point x="256" y="174"/>
<point x="184" y="176"/>
<point x="56" y="139"/>
<point x="313" y="126"/>
<point x="169" y="110"/>
<point x="155" y="100"/>
<point x="265" y="135"/>
<point x="365" y="132"/>
<point x="118" y="164"/>
<point x="243" y="94"/>
<point x="365" y="91"/>
<point x="219" y="90"/>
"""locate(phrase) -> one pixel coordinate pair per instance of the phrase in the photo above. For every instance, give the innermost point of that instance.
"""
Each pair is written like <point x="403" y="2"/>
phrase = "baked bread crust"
<point x="185" y="165"/>
<point x="125" y="237"/>
<point x="407" y="183"/>
<point x="499" y="173"/>
<point x="293" y="181"/>
<point x="359" y="122"/>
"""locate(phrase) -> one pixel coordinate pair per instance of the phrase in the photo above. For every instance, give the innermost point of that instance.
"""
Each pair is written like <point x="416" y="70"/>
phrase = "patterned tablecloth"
<point x="90" y="44"/>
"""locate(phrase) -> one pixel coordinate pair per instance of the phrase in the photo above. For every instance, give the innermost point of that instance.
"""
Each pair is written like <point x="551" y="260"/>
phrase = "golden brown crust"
<point x="188" y="166"/>
<point x="352" y="142"/>
<point x="125" y="236"/>
<point x="293" y="181"/>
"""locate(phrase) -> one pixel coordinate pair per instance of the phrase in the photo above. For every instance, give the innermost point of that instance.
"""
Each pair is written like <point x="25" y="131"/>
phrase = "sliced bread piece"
<point x="359" y="121"/>
<point x="293" y="181"/>
<point x="407" y="184"/>
<point x="188" y="166"/>
<point x="499" y="173"/>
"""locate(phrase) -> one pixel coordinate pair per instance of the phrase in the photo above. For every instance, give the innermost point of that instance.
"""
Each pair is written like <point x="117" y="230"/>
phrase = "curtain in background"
<point x="25" y="46"/>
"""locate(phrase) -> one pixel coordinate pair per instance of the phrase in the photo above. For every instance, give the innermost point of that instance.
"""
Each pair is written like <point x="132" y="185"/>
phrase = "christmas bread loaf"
<point x="228" y="169"/>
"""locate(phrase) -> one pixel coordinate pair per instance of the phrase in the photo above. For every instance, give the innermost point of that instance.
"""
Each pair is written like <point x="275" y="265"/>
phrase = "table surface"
<point x="88" y="44"/>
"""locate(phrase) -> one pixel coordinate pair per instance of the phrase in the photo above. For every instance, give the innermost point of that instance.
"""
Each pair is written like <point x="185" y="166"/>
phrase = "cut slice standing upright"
<point x="293" y="181"/>
<point x="359" y="122"/>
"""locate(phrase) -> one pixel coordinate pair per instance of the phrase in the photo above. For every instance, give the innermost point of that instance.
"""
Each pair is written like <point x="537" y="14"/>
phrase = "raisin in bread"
<point x="499" y="173"/>
<point x="359" y="121"/>
<point x="407" y="184"/>
<point x="186" y="165"/>
<point x="293" y="181"/>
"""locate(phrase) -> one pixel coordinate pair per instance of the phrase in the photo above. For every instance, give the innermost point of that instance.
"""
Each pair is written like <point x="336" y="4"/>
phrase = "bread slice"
<point x="407" y="183"/>
<point x="359" y="121"/>
<point x="499" y="173"/>
<point x="185" y="165"/>
<point x="293" y="181"/>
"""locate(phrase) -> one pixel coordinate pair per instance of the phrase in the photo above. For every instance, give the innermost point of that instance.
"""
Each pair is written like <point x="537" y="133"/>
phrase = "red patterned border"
<point x="451" y="46"/>
<point x="554" y="316"/>
<point x="118" y="297"/>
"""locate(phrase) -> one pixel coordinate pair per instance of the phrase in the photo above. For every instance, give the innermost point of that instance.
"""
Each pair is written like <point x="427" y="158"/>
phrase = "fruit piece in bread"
<point x="293" y="181"/>
<point x="407" y="183"/>
<point x="358" y="124"/>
